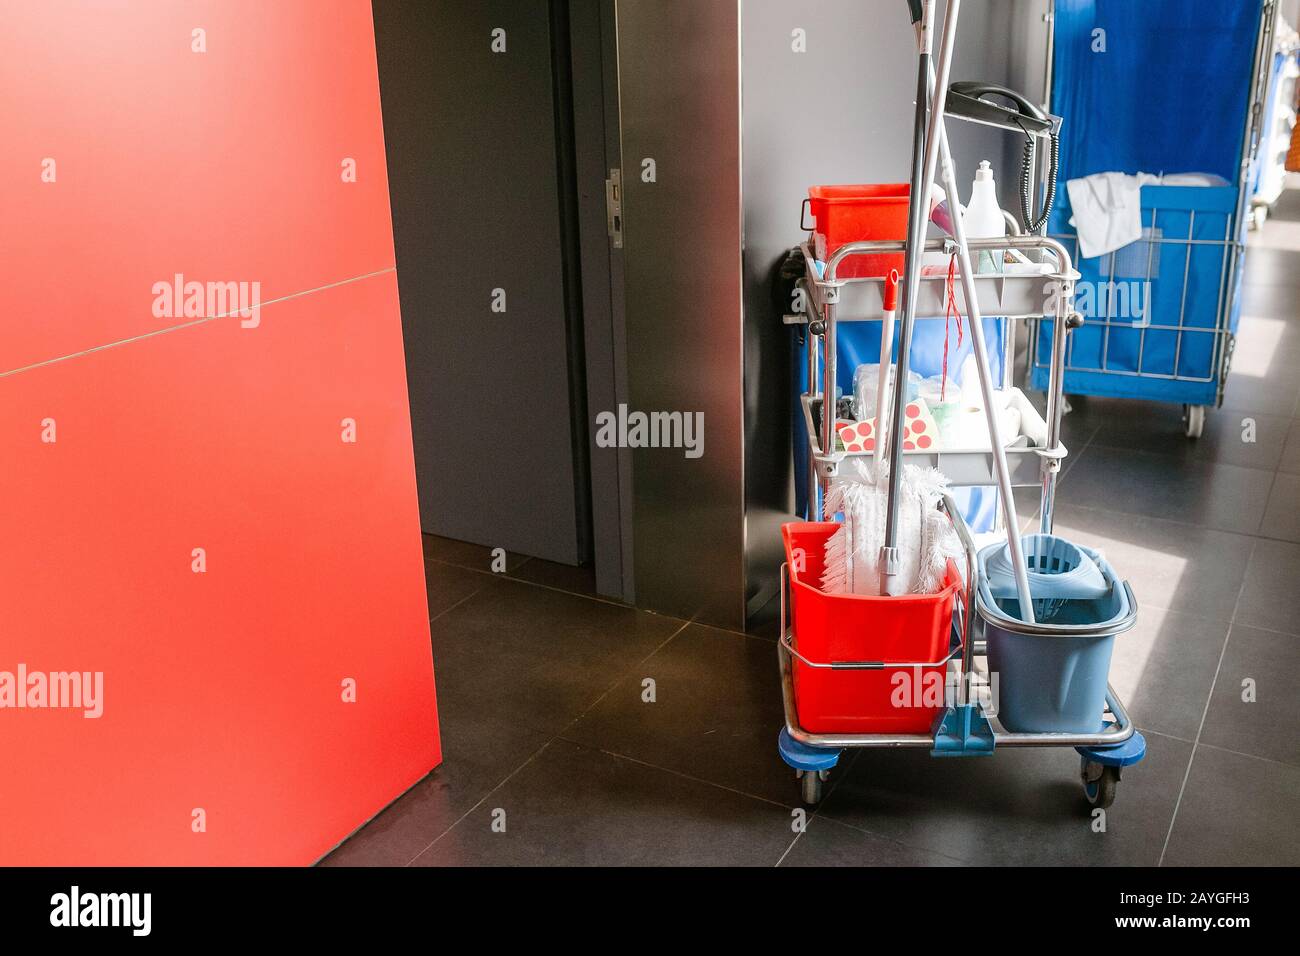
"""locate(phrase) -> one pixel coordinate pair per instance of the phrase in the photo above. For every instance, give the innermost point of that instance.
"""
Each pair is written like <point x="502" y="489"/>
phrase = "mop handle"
<point x="924" y="157"/>
<point x="976" y="322"/>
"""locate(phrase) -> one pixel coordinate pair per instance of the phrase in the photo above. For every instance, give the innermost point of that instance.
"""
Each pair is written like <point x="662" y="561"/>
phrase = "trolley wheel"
<point x="1099" y="783"/>
<point x="811" y="786"/>
<point x="1194" y="420"/>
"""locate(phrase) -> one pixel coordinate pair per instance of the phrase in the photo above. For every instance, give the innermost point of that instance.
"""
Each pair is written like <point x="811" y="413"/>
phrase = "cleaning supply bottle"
<point x="984" y="218"/>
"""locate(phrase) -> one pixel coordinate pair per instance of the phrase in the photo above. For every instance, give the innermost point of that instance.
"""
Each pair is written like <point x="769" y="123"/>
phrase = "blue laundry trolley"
<point x="1160" y="314"/>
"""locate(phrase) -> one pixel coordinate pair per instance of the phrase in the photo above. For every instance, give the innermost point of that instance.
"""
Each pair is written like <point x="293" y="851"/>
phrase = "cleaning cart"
<point x="936" y="646"/>
<point x="960" y="726"/>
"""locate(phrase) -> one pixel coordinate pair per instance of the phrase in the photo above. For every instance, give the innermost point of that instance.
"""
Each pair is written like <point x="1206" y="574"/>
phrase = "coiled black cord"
<point x="1026" y="168"/>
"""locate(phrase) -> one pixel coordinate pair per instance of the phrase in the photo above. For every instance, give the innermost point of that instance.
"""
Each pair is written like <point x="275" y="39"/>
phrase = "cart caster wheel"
<point x="811" y="782"/>
<point x="1194" y="420"/>
<point x="1099" y="783"/>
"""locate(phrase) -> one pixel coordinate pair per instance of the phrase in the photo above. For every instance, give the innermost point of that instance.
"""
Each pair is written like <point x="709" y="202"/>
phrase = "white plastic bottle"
<point x="984" y="218"/>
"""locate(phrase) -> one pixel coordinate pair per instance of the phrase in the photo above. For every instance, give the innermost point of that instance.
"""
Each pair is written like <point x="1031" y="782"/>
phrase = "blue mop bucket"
<point x="1052" y="675"/>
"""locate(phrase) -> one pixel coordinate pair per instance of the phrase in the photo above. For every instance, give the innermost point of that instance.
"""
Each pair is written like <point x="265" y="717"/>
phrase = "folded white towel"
<point x="1107" y="210"/>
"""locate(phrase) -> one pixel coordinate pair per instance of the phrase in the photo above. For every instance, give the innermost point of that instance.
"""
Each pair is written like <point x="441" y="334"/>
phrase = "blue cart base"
<point x="965" y="732"/>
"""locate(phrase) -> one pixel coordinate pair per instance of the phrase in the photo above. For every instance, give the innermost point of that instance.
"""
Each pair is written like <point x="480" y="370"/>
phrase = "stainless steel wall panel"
<point x="679" y="77"/>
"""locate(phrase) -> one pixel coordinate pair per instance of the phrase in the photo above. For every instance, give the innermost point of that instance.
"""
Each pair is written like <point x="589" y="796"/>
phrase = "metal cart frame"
<point x="1005" y="295"/>
<point x="964" y="728"/>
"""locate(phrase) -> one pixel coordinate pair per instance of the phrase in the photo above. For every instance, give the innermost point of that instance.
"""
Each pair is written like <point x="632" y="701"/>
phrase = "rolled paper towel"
<point x="968" y="429"/>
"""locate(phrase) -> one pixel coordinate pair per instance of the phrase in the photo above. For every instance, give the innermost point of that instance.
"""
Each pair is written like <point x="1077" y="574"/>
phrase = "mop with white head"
<point x="926" y="537"/>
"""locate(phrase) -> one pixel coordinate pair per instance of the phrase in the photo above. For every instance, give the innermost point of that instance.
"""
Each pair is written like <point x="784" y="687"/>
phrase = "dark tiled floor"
<point x="538" y="657"/>
<point x="1254" y="704"/>
<point x="555" y="753"/>
<point x="1271" y="579"/>
<point x="721" y="732"/>
<point x="571" y="805"/>
<point x="1019" y="807"/>
<point x="1236" y="809"/>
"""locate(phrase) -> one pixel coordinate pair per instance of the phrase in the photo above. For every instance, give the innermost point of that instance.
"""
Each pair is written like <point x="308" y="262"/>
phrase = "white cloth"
<point x="1108" y="206"/>
<point x="1107" y="210"/>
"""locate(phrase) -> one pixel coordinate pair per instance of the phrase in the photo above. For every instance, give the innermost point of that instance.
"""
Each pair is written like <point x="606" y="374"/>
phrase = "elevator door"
<point x="484" y="262"/>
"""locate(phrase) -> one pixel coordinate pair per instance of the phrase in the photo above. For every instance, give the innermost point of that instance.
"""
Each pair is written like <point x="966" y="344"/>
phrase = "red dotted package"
<point x="919" y="433"/>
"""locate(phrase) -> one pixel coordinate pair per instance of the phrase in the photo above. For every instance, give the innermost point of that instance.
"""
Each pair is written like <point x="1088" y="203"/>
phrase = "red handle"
<point x="891" y="291"/>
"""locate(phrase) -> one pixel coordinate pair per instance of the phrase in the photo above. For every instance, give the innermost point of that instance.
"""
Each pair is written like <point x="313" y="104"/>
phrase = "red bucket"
<point x="830" y="628"/>
<point x="847" y="214"/>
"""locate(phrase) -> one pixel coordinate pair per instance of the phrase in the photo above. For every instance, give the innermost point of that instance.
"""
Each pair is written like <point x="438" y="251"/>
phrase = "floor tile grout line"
<point x="1160" y="733"/>
<point x="1209" y="700"/>
<point x="610" y="689"/>
<point x="1267" y="630"/>
<point x="1242" y="753"/>
<point x="1268" y="498"/>
<point x="508" y="777"/>
<point x="817" y="814"/>
<point x="1189" y="460"/>
<point x="770" y="641"/>
<point x="1147" y="731"/>
<point x="507" y="576"/>
<point x="835" y="779"/>
<point x="554" y="736"/>
<point x="1207" y="462"/>
<point x="685" y="776"/>
<point x="448" y="610"/>
<point x="189" y="325"/>
<point x="797" y="837"/>
<point x="1254" y="535"/>
<point x="608" y="753"/>
<point x="897" y="842"/>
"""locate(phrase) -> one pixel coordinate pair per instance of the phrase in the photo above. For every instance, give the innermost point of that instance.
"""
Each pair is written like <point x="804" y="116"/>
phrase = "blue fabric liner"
<point x="1182" y="277"/>
<point x="1169" y="94"/>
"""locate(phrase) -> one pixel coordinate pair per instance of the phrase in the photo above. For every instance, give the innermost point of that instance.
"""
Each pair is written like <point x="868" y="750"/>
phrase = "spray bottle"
<point x="984" y="218"/>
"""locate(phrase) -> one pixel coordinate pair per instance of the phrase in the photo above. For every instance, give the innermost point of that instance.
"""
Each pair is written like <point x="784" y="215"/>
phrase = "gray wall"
<point x="839" y="113"/>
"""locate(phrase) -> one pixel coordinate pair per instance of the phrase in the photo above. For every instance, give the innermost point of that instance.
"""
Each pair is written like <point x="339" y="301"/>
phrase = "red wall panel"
<point x="222" y="689"/>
